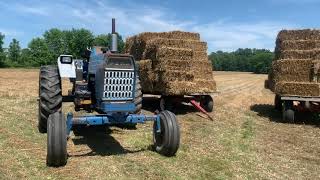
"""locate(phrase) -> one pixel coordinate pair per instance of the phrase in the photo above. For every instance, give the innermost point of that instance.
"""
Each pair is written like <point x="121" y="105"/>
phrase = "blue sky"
<point x="225" y="25"/>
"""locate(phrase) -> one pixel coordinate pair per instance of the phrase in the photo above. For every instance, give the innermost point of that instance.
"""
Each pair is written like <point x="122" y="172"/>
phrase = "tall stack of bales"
<point x="172" y="63"/>
<point x="295" y="70"/>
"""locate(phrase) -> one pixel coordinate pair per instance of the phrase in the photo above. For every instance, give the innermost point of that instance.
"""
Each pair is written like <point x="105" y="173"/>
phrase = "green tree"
<point x="105" y="40"/>
<point x="102" y="40"/>
<point x="14" y="51"/>
<point x="56" y="41"/>
<point x="25" y="57"/>
<point x="78" y="40"/>
<point x="252" y="60"/>
<point x="2" y="54"/>
<point x="39" y="53"/>
<point x="261" y="62"/>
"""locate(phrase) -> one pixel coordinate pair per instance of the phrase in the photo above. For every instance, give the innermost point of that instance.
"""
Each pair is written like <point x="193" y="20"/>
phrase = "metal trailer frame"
<point x="193" y="99"/>
<point x="306" y="104"/>
<point x="301" y="98"/>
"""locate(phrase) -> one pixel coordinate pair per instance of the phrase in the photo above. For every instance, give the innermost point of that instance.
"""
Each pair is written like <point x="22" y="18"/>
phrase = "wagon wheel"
<point x="288" y="114"/>
<point x="166" y="104"/>
<point x="206" y="102"/>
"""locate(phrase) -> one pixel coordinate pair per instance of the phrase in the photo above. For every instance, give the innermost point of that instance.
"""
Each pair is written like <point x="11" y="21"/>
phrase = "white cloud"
<point x="220" y="34"/>
<point x="230" y="36"/>
<point x="130" y="20"/>
<point x="11" y="32"/>
<point x="33" y="10"/>
<point x="27" y="8"/>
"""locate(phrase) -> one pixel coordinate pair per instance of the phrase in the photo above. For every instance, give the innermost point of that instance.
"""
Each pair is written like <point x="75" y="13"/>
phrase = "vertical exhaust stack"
<point x="114" y="45"/>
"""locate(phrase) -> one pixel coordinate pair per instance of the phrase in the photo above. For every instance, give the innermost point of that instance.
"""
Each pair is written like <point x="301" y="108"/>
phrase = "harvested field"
<point x="246" y="140"/>
<point x="172" y="63"/>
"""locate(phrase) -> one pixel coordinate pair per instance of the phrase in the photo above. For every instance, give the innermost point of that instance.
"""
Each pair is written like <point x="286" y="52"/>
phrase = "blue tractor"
<point x="106" y="82"/>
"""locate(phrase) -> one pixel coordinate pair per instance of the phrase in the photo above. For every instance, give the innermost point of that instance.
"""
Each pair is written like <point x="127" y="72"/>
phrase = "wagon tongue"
<point x="197" y="106"/>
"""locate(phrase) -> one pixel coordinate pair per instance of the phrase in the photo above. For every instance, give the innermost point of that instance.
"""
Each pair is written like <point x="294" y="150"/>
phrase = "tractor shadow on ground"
<point x="100" y="141"/>
<point x="152" y="104"/>
<point x="268" y="111"/>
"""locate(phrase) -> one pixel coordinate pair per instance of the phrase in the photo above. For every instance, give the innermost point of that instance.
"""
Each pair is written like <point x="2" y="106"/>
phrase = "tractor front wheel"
<point x="166" y="142"/>
<point x="56" y="140"/>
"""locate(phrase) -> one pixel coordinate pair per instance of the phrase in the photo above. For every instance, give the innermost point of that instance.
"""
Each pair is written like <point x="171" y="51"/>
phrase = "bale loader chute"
<point x="106" y="82"/>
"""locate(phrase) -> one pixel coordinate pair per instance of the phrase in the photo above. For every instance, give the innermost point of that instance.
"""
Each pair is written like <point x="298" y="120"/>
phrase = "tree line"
<point x="44" y="50"/>
<point x="245" y="60"/>
<point x="54" y="42"/>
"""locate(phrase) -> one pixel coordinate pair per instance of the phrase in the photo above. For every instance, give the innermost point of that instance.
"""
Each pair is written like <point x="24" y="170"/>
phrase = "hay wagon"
<point x="291" y="104"/>
<point x="175" y="66"/>
<point x="295" y="72"/>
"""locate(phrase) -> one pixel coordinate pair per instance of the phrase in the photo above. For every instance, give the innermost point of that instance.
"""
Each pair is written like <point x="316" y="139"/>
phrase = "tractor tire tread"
<point x="171" y="139"/>
<point x="138" y="97"/>
<point x="50" y="94"/>
<point x="56" y="140"/>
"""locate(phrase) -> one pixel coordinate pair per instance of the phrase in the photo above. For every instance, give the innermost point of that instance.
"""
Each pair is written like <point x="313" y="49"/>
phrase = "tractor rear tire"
<point x="138" y="97"/>
<point x="206" y="103"/>
<point x="138" y="106"/>
<point x="167" y="141"/>
<point x="56" y="140"/>
<point x="50" y="95"/>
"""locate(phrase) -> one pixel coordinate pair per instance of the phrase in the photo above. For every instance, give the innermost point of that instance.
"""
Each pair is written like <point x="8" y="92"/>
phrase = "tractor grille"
<point x="119" y="85"/>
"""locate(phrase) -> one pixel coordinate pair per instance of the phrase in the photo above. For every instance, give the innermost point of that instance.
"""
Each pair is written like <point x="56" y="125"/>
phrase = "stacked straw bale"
<point x="172" y="63"/>
<point x="296" y="67"/>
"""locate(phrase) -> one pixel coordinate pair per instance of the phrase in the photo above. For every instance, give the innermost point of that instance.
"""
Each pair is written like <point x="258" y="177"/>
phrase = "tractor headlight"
<point x="66" y="59"/>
